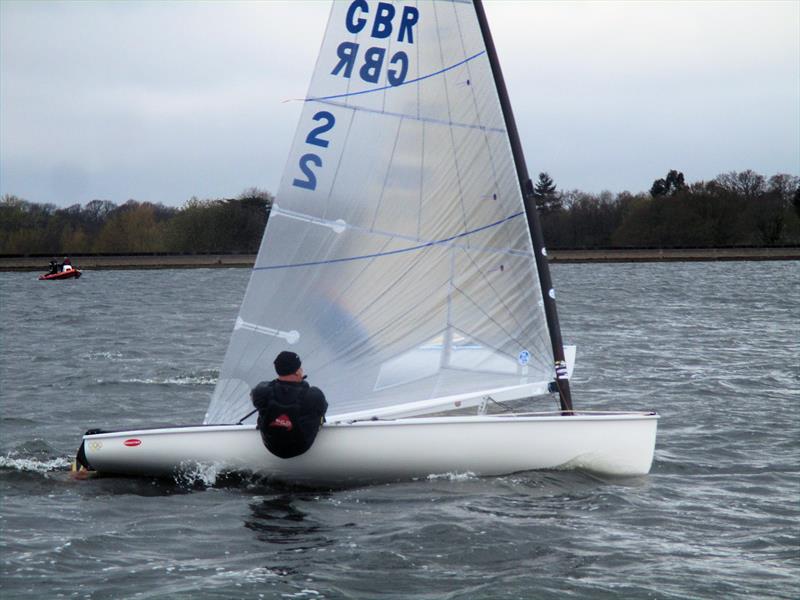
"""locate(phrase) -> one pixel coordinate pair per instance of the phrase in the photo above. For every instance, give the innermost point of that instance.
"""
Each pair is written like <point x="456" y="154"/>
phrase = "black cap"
<point x="287" y="363"/>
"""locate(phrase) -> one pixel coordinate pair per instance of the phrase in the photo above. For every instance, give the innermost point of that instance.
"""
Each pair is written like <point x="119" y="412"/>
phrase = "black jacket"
<point x="289" y="415"/>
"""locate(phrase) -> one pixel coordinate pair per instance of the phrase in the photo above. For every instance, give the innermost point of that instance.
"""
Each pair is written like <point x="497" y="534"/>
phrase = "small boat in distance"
<point x="67" y="272"/>
<point x="61" y="271"/>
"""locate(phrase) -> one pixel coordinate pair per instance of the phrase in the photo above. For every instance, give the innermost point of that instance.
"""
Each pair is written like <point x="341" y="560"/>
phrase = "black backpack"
<point x="288" y="429"/>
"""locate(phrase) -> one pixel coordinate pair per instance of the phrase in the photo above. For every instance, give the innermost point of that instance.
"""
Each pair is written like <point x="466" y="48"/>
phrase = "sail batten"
<point x="339" y="225"/>
<point x="334" y="225"/>
<point x="397" y="261"/>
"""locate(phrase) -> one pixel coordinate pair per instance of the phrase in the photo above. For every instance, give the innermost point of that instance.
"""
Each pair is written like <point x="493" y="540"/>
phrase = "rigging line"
<point x="545" y="365"/>
<point x="391" y="252"/>
<point x="446" y="123"/>
<point x="502" y="405"/>
<point x="250" y="414"/>
<point x="499" y="297"/>
<point x="386" y="87"/>
<point x="380" y="331"/>
<point x="404" y="314"/>
<point x="413" y="344"/>
<point x="359" y="316"/>
<point x="397" y="281"/>
<point x="488" y="316"/>
<point x="499" y="351"/>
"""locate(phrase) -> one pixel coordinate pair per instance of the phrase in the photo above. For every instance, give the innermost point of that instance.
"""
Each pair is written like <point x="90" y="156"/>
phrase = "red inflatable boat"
<point x="72" y="273"/>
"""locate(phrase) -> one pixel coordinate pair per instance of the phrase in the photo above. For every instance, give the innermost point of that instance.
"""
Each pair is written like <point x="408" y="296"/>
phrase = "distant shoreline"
<point x="201" y="261"/>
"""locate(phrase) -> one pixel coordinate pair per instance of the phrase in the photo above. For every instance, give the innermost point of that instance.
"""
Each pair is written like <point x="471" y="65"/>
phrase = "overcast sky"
<point x="161" y="101"/>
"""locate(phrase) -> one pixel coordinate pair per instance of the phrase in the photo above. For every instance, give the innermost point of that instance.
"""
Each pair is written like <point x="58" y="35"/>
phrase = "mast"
<point x="534" y="226"/>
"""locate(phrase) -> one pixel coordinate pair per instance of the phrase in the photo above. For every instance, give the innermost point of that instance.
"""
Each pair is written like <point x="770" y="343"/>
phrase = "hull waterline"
<point x="394" y="450"/>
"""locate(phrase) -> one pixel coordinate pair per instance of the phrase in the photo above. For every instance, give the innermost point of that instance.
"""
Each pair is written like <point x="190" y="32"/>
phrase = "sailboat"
<point x="404" y="262"/>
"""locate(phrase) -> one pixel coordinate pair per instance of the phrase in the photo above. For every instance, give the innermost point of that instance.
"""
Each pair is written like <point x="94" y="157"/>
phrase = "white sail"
<point x="397" y="260"/>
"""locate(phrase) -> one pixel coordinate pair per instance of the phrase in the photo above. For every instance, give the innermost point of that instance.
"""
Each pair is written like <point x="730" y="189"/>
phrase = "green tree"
<point x="134" y="227"/>
<point x="671" y="185"/>
<point x="585" y="220"/>
<point x="545" y="193"/>
<point x="26" y="227"/>
<point x="231" y="225"/>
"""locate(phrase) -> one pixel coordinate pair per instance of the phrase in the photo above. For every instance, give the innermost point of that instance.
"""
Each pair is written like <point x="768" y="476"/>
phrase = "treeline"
<point x="734" y="209"/>
<point x="102" y="227"/>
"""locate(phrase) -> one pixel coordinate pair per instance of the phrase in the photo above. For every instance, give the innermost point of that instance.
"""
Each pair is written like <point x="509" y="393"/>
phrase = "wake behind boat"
<point x="404" y="260"/>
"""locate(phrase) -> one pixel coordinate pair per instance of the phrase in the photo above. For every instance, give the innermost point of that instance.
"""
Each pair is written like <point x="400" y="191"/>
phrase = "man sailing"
<point x="290" y="411"/>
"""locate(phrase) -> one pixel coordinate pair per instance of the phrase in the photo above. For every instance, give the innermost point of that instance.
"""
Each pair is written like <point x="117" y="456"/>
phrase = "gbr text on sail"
<point x="383" y="21"/>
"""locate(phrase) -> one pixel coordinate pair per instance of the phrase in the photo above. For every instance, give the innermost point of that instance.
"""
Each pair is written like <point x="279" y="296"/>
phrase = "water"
<point x="712" y="347"/>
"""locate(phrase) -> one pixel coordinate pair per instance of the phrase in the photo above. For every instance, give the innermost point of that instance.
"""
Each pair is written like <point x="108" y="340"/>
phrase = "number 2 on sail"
<point x="314" y="138"/>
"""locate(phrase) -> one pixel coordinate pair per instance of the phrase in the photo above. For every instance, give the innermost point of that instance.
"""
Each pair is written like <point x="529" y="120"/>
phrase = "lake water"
<point x="713" y="347"/>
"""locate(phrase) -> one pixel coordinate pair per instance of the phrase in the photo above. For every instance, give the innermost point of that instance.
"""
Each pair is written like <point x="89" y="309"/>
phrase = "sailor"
<point x="290" y="411"/>
<point x="67" y="264"/>
<point x="53" y="267"/>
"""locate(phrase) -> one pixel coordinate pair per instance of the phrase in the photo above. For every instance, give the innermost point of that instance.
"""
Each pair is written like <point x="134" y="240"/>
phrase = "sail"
<point x="397" y="260"/>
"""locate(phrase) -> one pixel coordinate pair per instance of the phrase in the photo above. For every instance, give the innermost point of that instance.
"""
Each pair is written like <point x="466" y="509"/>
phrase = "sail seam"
<point x="386" y="87"/>
<point x="477" y="108"/>
<point x="543" y="365"/>
<point x="339" y="161"/>
<point x="340" y="225"/>
<point x="489" y="317"/>
<point x="413" y="118"/>
<point x="452" y="135"/>
<point x="387" y="174"/>
<point x="386" y="326"/>
<point x="498" y="297"/>
<point x="391" y="252"/>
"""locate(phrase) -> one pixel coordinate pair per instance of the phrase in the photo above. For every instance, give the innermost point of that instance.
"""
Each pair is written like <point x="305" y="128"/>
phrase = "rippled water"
<point x="713" y="347"/>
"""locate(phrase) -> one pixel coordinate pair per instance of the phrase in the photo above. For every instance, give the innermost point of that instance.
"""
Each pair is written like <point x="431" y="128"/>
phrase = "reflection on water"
<point x="280" y="520"/>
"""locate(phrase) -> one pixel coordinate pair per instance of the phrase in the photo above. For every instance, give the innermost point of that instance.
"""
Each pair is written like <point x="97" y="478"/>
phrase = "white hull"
<point x="401" y="449"/>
